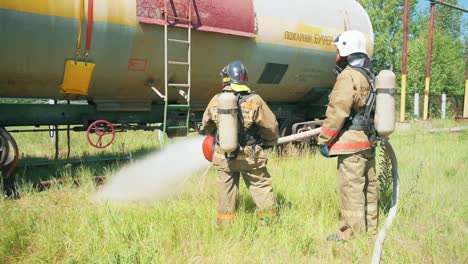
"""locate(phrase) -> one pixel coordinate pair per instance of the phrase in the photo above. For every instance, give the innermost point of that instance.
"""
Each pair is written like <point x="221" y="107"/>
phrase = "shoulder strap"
<point x="244" y="97"/>
<point x="246" y="137"/>
<point x="370" y="76"/>
<point x="241" y="98"/>
<point x="370" y="103"/>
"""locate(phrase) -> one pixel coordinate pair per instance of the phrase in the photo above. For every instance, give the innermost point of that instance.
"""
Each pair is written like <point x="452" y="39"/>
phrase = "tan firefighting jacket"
<point x="350" y="92"/>
<point x="255" y="113"/>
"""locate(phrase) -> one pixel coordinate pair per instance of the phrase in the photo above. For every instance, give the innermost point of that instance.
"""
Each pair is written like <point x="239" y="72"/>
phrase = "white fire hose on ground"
<point x="378" y="246"/>
<point x="387" y="147"/>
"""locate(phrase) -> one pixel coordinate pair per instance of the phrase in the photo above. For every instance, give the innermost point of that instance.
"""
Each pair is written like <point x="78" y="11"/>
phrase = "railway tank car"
<point x="155" y="60"/>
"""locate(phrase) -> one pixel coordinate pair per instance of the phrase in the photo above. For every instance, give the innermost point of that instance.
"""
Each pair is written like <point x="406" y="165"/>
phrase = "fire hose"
<point x="378" y="246"/>
<point x="294" y="137"/>
<point x="387" y="147"/>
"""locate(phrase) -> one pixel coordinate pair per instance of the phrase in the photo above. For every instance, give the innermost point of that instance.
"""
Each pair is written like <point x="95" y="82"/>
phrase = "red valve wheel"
<point x="101" y="129"/>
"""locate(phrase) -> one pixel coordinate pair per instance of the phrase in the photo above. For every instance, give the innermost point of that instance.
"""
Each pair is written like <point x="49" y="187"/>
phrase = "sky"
<point x="425" y="5"/>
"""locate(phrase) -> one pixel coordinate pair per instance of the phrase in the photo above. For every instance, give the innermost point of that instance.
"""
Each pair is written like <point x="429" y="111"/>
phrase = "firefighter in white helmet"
<point x="348" y="134"/>
<point x="240" y="120"/>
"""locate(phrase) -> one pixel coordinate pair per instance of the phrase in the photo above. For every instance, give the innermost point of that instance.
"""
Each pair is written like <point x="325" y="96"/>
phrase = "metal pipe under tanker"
<point x="285" y="45"/>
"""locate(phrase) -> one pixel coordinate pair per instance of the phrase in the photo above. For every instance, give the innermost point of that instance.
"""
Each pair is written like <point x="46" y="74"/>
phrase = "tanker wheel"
<point x="100" y="134"/>
<point x="8" y="160"/>
<point x="295" y="148"/>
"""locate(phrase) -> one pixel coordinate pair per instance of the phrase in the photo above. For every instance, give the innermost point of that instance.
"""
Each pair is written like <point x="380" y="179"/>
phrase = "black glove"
<point x="324" y="151"/>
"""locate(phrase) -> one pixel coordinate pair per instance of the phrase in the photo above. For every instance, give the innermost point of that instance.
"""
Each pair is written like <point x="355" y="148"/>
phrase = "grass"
<point x="62" y="225"/>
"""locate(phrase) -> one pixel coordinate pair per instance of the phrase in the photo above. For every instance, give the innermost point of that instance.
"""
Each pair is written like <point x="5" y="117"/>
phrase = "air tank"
<point x="228" y="122"/>
<point x="385" y="84"/>
<point x="285" y="45"/>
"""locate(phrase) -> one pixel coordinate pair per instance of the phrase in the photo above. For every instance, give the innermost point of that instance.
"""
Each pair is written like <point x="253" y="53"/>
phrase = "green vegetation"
<point x="62" y="225"/>
<point x="450" y="46"/>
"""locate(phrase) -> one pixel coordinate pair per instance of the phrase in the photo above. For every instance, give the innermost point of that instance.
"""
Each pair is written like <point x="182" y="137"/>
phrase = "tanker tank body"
<point x="285" y="45"/>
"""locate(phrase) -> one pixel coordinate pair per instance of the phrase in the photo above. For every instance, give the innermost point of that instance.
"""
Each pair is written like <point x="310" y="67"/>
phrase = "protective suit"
<point x="344" y="135"/>
<point x="261" y="124"/>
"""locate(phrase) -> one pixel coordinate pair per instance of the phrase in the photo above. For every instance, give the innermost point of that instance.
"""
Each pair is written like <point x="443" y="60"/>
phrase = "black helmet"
<point x="235" y="72"/>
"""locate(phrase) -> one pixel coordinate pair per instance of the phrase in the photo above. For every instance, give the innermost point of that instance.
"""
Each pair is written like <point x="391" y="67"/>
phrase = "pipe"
<point x="451" y="129"/>
<point x="73" y="162"/>
<point x="378" y="246"/>
<point x="429" y="61"/>
<point x="56" y="133"/>
<point x="450" y="5"/>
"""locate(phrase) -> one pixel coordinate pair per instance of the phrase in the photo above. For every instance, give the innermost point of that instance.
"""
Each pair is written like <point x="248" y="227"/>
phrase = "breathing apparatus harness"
<point x="247" y="137"/>
<point x="363" y="120"/>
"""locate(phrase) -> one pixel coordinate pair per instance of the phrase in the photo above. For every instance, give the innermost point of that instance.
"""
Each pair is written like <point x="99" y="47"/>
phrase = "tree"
<point x="449" y="49"/>
<point x="448" y="20"/>
<point x="449" y="52"/>
<point x="387" y="20"/>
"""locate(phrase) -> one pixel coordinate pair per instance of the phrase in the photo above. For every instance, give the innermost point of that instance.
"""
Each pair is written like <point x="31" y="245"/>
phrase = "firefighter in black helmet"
<point x="235" y="74"/>
<point x="256" y="122"/>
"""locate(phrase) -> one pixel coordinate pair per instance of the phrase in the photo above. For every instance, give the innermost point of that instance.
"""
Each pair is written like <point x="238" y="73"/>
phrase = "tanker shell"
<point x="286" y="46"/>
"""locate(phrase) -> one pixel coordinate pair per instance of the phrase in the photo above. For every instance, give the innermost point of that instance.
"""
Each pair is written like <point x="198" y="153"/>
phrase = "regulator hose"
<point x="378" y="246"/>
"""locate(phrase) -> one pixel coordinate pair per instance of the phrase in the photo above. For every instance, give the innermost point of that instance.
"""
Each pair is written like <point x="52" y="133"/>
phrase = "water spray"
<point x="157" y="175"/>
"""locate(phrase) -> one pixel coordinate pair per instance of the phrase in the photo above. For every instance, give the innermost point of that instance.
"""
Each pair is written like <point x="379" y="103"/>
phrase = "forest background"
<point x="450" y="47"/>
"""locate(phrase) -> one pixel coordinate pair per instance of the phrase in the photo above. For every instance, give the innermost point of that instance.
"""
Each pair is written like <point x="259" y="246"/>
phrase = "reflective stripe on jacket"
<point x="350" y="92"/>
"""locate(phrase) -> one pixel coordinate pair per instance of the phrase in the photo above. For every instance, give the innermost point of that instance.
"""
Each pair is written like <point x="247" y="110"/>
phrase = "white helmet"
<point x="350" y="42"/>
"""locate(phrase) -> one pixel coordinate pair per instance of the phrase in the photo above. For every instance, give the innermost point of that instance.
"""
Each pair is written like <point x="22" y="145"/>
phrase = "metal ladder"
<point x="180" y="86"/>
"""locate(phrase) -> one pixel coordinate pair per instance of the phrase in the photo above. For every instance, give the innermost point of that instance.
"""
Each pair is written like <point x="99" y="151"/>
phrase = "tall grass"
<point x="62" y="225"/>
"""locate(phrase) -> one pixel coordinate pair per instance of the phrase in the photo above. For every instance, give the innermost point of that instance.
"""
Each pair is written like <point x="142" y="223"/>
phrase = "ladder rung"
<point x="178" y="18"/>
<point x="178" y="106"/>
<point x="179" y="41"/>
<point x="178" y="62"/>
<point x="184" y="85"/>
<point x="177" y="127"/>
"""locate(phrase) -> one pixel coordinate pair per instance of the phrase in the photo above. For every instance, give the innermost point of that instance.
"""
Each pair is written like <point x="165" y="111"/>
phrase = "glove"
<point x="324" y="151"/>
<point x="265" y="144"/>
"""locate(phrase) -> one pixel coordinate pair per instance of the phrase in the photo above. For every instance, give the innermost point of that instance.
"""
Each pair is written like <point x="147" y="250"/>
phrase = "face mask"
<point x="341" y="63"/>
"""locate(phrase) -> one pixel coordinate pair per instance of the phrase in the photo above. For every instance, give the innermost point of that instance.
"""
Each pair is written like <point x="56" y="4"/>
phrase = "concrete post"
<point x="444" y="105"/>
<point x="416" y="106"/>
